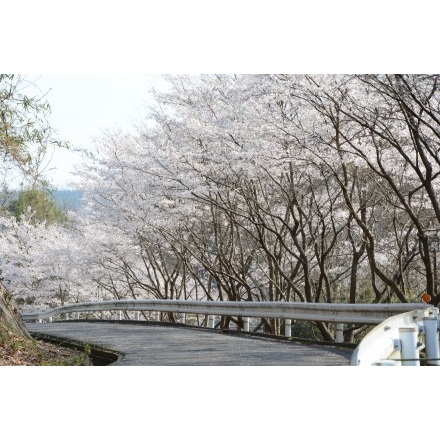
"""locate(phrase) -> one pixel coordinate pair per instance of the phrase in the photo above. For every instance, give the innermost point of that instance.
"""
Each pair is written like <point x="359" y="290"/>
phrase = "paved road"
<point x="146" y="345"/>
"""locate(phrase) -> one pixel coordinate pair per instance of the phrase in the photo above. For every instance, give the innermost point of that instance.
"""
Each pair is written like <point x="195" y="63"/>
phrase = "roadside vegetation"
<point x="16" y="350"/>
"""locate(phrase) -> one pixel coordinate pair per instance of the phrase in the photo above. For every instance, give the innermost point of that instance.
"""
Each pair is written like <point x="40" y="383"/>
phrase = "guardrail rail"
<point x="339" y="314"/>
<point x="400" y="340"/>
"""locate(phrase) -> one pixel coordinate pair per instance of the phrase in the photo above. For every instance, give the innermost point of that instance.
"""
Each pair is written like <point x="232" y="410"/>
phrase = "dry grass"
<point x="18" y="351"/>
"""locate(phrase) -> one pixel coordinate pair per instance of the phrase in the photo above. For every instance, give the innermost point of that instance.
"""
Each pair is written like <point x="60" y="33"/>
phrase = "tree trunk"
<point x="10" y="314"/>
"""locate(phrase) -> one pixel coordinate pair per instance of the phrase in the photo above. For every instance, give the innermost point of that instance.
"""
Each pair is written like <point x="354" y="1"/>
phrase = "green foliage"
<point x="306" y="330"/>
<point x="23" y="119"/>
<point x="81" y="360"/>
<point x="41" y="204"/>
<point x="87" y="349"/>
<point x="25" y="131"/>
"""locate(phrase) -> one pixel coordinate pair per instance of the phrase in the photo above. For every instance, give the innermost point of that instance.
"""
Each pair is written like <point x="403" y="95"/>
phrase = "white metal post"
<point x="137" y="315"/>
<point x="408" y="337"/>
<point x="51" y="319"/>
<point x="211" y="321"/>
<point x="120" y="315"/>
<point x="339" y="332"/>
<point x="77" y="315"/>
<point x="431" y="340"/>
<point x="157" y="314"/>
<point x="288" y="328"/>
<point x="246" y="324"/>
<point x="182" y="318"/>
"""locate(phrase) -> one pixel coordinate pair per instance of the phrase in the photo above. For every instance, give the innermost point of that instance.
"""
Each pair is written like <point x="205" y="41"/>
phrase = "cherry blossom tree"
<point x="385" y="123"/>
<point x="271" y="187"/>
<point x="25" y="136"/>
<point x="44" y="265"/>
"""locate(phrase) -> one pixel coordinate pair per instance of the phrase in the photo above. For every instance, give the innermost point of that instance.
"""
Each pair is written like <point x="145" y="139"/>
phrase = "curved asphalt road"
<point x="162" y="345"/>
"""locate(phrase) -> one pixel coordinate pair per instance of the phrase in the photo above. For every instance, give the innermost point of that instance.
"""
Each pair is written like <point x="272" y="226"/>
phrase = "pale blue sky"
<point x="83" y="105"/>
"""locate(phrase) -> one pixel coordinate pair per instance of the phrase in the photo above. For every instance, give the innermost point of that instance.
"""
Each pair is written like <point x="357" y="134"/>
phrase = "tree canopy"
<point x="311" y="188"/>
<point x="39" y="205"/>
<point x="25" y="136"/>
<point x="25" y="131"/>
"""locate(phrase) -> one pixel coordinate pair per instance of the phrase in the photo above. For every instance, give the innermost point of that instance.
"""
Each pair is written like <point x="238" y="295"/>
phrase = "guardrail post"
<point x="246" y="324"/>
<point x="157" y="316"/>
<point x="77" y="315"/>
<point x="408" y="337"/>
<point x="120" y="315"/>
<point x="137" y="315"/>
<point x="432" y="348"/>
<point x="339" y="332"/>
<point x="211" y="321"/>
<point x="288" y="328"/>
<point x="182" y="318"/>
<point x="50" y="319"/>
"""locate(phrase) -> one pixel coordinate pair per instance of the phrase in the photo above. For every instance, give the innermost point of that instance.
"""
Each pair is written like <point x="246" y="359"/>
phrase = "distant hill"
<point x="68" y="199"/>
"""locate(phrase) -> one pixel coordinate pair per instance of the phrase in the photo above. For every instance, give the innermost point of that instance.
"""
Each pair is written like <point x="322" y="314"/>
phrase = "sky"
<point x="85" y="104"/>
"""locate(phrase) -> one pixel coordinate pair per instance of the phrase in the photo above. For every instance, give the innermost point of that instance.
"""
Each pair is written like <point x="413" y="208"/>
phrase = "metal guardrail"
<point x="399" y="340"/>
<point x="323" y="312"/>
<point x="402" y="331"/>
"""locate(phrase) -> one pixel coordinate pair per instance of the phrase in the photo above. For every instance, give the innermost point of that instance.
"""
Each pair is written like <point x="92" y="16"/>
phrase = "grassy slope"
<point x="18" y="351"/>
